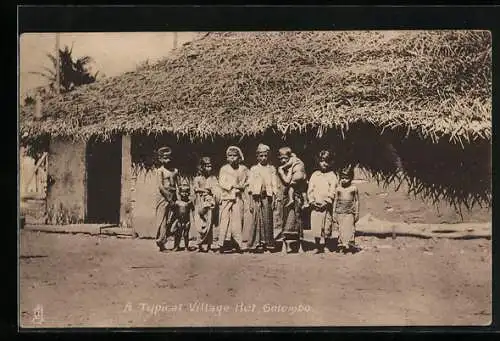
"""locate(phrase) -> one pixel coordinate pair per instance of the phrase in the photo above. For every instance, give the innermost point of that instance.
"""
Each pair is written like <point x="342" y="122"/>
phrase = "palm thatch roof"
<point x="437" y="83"/>
<point x="428" y="93"/>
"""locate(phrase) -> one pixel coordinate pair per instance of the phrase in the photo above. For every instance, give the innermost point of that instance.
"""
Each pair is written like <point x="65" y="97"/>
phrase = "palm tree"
<point x="29" y="100"/>
<point x="72" y="73"/>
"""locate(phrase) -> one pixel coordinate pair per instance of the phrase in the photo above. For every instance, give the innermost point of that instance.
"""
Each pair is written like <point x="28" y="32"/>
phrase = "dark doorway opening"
<point x="103" y="181"/>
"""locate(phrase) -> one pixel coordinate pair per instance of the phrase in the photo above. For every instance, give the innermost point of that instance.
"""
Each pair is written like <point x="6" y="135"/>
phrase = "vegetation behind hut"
<point x="73" y="72"/>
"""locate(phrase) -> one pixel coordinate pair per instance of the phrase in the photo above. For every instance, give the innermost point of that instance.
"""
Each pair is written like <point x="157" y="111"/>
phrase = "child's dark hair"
<point x="347" y="172"/>
<point x="203" y="160"/>
<point x="184" y="186"/>
<point x="160" y="153"/>
<point x="325" y="155"/>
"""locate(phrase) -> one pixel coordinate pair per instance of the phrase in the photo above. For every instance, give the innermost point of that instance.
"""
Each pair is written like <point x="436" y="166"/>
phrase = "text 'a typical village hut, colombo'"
<point x="412" y="105"/>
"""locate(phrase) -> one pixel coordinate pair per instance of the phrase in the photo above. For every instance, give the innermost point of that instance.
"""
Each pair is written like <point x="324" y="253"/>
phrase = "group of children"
<point x="227" y="198"/>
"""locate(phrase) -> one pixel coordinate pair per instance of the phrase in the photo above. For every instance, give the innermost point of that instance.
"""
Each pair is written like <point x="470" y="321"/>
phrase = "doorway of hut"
<point x="103" y="159"/>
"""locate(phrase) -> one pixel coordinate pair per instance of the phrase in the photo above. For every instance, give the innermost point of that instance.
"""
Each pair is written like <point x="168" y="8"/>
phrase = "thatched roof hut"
<point x="426" y="94"/>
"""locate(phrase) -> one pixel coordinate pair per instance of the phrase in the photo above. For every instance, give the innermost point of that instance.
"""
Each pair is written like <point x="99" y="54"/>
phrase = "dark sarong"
<point x="261" y="232"/>
<point x="293" y="230"/>
<point x="206" y="222"/>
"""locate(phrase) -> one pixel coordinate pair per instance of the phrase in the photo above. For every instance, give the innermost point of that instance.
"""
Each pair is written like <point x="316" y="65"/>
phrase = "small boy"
<point x="346" y="210"/>
<point x="167" y="179"/>
<point x="183" y="209"/>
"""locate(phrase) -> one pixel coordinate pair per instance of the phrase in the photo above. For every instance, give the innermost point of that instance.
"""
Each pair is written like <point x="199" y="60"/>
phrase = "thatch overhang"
<point x="429" y="86"/>
<point x="436" y="83"/>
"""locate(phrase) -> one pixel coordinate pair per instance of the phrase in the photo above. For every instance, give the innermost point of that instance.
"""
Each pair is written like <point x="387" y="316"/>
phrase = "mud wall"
<point x="143" y="187"/>
<point x="66" y="182"/>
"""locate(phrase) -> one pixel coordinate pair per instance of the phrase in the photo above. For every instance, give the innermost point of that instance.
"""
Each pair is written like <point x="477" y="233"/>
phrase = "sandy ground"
<point x="88" y="281"/>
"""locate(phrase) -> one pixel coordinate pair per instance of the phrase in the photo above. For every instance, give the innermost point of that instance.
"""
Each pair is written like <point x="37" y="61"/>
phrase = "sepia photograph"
<point x="255" y="179"/>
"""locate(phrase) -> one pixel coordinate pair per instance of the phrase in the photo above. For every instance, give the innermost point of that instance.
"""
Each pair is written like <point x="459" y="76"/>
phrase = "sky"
<point x="113" y="53"/>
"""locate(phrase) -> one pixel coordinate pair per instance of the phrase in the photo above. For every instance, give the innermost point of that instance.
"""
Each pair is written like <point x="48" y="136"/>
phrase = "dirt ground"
<point x="89" y="281"/>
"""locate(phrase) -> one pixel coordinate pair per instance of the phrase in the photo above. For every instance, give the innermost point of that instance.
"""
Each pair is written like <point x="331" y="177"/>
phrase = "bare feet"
<point x="353" y="248"/>
<point x="160" y="245"/>
<point x="344" y="248"/>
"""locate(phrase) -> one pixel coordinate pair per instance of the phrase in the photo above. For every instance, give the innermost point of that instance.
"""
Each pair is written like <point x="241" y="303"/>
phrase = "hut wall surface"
<point x="143" y="188"/>
<point x="66" y="187"/>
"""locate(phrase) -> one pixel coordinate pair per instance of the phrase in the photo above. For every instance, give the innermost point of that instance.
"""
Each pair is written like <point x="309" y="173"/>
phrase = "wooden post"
<point x="38" y="106"/>
<point x="58" y="71"/>
<point x="37" y="180"/>
<point x="126" y="183"/>
<point x="175" y="40"/>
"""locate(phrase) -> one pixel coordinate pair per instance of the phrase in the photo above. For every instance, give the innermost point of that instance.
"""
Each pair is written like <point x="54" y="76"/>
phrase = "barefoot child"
<point x="263" y="188"/>
<point x="292" y="173"/>
<point x="167" y="179"/>
<point x="183" y="209"/>
<point x="233" y="178"/>
<point x="321" y="194"/>
<point x="205" y="188"/>
<point x="346" y="210"/>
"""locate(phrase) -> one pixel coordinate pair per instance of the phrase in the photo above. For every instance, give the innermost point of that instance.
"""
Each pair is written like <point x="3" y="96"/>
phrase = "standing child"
<point x="321" y="194"/>
<point x="292" y="173"/>
<point x="205" y="188"/>
<point x="166" y="195"/>
<point x="183" y="209"/>
<point x="346" y="210"/>
<point x="263" y="188"/>
<point x="233" y="178"/>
